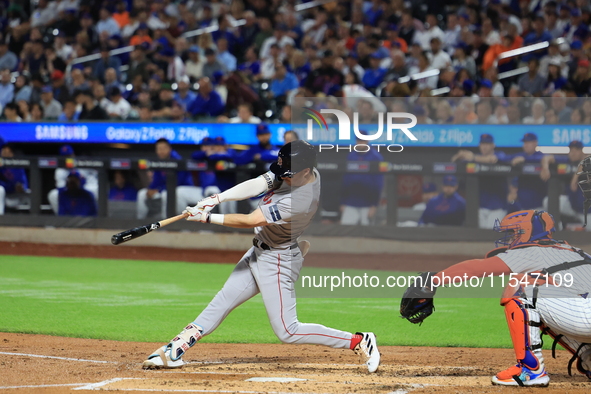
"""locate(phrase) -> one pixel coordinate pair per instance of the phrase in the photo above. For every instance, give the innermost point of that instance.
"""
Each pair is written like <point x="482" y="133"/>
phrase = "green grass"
<point x="132" y="300"/>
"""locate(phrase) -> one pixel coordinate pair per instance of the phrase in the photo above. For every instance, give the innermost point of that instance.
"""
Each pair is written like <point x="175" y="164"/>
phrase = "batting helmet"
<point x="294" y="157"/>
<point x="524" y="227"/>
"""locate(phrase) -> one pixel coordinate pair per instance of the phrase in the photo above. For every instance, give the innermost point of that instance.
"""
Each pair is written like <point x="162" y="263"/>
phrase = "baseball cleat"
<point x="368" y="351"/>
<point x="304" y="247"/>
<point x="161" y="359"/>
<point x="520" y="375"/>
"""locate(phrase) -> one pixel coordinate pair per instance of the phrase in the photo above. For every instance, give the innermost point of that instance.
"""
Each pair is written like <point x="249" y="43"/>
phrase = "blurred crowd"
<point x="69" y="60"/>
<point x="246" y="61"/>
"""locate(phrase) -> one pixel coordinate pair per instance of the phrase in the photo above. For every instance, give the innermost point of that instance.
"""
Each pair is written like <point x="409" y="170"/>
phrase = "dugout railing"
<point x="470" y="173"/>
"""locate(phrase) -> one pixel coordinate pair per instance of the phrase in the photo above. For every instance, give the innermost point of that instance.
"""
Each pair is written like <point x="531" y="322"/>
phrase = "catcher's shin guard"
<point x="524" y="325"/>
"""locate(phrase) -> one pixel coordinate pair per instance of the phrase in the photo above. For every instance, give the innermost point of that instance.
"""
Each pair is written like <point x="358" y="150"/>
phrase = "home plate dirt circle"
<point x="55" y="365"/>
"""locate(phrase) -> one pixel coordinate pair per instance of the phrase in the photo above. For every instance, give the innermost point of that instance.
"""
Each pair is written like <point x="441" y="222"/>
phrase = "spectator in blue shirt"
<point x="184" y="96"/>
<point x="224" y="56"/>
<point x="263" y="152"/>
<point x="571" y="200"/>
<point x="539" y="34"/>
<point x="448" y="208"/>
<point x="531" y="189"/>
<point x="233" y="43"/>
<point x="186" y="193"/>
<point x="6" y="88"/>
<point x="7" y="59"/>
<point x="555" y="80"/>
<point x="122" y="190"/>
<point x="251" y="68"/>
<point x="107" y="23"/>
<point x="208" y="102"/>
<point x="374" y="75"/>
<point x="301" y="67"/>
<point x="74" y="200"/>
<point x="361" y="192"/>
<point x="13" y="181"/>
<point x="69" y="113"/>
<point x="373" y="11"/>
<point x="104" y="63"/>
<point x="493" y="189"/>
<point x="283" y="82"/>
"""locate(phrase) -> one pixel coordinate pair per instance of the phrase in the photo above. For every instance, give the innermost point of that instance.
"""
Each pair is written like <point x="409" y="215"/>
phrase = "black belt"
<point x="260" y="244"/>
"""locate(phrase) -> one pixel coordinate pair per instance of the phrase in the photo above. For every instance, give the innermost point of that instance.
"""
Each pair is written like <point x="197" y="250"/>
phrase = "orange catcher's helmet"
<point x="524" y="227"/>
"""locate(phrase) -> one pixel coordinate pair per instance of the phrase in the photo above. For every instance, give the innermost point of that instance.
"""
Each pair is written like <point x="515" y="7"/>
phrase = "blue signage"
<point x="193" y="133"/>
<point x="135" y="133"/>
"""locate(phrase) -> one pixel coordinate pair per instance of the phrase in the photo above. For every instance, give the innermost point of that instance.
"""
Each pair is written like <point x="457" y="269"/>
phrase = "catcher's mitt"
<point x="417" y="301"/>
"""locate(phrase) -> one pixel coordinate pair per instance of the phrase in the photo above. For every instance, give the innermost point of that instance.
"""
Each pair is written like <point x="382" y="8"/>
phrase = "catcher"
<point x="536" y="305"/>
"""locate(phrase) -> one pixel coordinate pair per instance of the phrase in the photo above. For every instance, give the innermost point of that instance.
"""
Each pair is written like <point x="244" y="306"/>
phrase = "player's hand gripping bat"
<point x="137" y="232"/>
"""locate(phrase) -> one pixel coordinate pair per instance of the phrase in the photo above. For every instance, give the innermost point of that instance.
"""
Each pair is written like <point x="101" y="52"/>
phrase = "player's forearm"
<point x="236" y="220"/>
<point x="247" y="189"/>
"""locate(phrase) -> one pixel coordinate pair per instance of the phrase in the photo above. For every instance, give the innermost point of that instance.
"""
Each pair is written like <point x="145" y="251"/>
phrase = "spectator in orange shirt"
<point x="394" y="40"/>
<point x="141" y="36"/>
<point x="121" y="16"/>
<point x="508" y="43"/>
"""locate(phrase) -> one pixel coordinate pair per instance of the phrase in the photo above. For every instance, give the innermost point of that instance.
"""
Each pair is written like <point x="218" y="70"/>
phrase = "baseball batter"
<point x="551" y="298"/>
<point x="272" y="265"/>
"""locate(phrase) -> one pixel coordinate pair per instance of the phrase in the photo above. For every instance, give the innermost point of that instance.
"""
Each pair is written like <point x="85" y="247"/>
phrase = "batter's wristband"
<point x="216" y="218"/>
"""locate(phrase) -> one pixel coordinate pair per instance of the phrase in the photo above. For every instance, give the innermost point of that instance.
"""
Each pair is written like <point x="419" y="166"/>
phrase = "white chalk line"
<point x="100" y="386"/>
<point x="211" y="391"/>
<point x="59" y="358"/>
<point x="42" y="385"/>
<point x="275" y="379"/>
<point x="95" y="386"/>
<point x="202" y="372"/>
<point x="358" y="365"/>
<point x="255" y="373"/>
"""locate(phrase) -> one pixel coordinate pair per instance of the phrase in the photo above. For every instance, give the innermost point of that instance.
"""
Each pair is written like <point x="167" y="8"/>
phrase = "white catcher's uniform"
<point x="273" y="266"/>
<point x="566" y="309"/>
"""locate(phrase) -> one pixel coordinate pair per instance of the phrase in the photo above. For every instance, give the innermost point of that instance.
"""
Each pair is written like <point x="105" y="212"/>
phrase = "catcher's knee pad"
<point x="186" y="339"/>
<point x="524" y="325"/>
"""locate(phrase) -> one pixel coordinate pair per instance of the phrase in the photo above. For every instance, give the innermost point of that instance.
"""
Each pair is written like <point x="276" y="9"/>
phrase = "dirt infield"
<point x="50" y="365"/>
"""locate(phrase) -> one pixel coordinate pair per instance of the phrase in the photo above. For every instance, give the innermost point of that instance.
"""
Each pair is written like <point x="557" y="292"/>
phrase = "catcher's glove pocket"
<point x="417" y="301"/>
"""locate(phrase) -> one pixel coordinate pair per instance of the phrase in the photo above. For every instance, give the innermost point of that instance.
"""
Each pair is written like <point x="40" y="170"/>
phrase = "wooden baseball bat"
<point x="137" y="232"/>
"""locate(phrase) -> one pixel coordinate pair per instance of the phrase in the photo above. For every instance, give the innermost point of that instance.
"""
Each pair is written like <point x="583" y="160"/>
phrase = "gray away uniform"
<point x="273" y="272"/>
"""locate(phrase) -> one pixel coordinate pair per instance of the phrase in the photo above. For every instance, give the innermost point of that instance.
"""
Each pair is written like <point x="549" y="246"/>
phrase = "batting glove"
<point x="196" y="214"/>
<point x="208" y="203"/>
